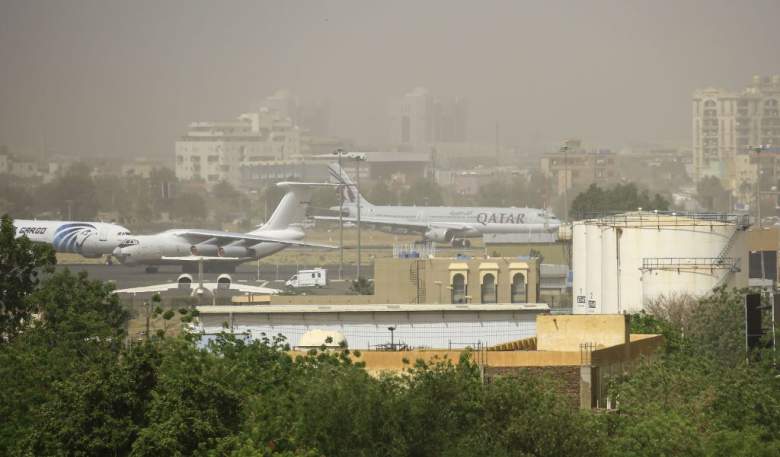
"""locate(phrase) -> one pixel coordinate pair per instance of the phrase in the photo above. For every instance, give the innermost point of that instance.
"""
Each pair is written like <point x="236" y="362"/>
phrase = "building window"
<point x="213" y="158"/>
<point x="489" y="288"/>
<point x="458" y="288"/>
<point x="519" y="290"/>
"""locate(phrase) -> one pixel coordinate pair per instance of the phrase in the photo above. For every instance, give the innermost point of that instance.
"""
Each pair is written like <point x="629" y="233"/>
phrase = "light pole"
<point x="357" y="157"/>
<point x="758" y="150"/>
<point x="341" y="219"/>
<point x="359" y="204"/>
<point x="392" y="338"/>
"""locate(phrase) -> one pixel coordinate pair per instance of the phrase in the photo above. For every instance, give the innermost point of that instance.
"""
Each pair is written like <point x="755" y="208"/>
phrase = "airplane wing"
<point x="244" y="288"/>
<point x="202" y="258"/>
<point x="199" y="236"/>
<point x="152" y="288"/>
<point x="165" y="287"/>
<point x="410" y="225"/>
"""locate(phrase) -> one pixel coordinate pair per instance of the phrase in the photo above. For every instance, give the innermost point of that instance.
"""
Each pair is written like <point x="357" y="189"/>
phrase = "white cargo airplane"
<point x="186" y="246"/>
<point x="439" y="223"/>
<point x="90" y="239"/>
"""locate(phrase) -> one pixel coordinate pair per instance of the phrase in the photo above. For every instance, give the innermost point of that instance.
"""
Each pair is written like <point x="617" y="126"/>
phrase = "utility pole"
<point x="360" y="203"/>
<point x="341" y="220"/>
<point x="758" y="150"/>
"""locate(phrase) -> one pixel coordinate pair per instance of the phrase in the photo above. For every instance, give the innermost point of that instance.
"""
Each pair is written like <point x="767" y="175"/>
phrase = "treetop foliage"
<point x="620" y="197"/>
<point x="73" y="384"/>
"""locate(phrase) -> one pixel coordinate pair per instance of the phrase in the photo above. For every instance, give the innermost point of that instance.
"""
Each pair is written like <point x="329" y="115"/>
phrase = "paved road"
<point x="124" y="276"/>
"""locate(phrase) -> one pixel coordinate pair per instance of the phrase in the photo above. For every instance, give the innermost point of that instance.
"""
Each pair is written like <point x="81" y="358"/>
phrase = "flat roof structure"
<point x="438" y="326"/>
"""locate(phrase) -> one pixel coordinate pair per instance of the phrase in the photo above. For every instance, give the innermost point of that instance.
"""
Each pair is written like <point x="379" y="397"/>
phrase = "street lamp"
<point x="357" y="157"/>
<point x="758" y="150"/>
<point x="392" y="337"/>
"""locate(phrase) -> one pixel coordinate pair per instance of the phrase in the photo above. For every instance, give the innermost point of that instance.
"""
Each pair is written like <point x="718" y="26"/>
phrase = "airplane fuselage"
<point x="89" y="239"/>
<point x="480" y="220"/>
<point x="152" y="249"/>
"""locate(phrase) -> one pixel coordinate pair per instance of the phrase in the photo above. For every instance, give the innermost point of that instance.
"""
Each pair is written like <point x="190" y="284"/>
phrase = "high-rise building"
<point x="726" y="123"/>
<point x="418" y="119"/>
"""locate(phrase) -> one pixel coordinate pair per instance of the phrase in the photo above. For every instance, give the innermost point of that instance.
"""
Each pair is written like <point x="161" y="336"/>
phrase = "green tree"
<point x="21" y="262"/>
<point x="381" y="194"/>
<point x="73" y="194"/>
<point x="711" y="195"/>
<point x="423" y="192"/>
<point x="189" y="207"/>
<point x="621" y="197"/>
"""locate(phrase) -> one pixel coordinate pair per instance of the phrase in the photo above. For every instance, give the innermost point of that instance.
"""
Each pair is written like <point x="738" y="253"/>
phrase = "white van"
<point x="317" y="277"/>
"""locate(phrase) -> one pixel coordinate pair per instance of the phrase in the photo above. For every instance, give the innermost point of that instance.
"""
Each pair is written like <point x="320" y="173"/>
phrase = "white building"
<point x="725" y="123"/>
<point x="368" y="326"/>
<point x="217" y="151"/>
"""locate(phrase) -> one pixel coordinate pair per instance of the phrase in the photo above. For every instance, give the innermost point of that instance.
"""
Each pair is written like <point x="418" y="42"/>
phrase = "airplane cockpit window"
<point x="127" y="243"/>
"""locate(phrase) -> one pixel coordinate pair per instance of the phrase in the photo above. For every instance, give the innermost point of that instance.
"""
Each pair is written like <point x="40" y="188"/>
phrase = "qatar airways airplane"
<point x="439" y="223"/>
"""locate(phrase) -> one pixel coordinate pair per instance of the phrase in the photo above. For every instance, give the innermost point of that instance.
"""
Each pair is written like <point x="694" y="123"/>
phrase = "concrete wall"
<point x="567" y="333"/>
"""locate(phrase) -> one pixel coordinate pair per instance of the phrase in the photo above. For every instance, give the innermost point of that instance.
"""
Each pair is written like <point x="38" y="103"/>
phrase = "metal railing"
<point x="663" y="218"/>
<point x="675" y="263"/>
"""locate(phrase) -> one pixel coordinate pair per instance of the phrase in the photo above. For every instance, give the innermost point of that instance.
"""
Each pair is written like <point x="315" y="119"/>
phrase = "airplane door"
<point x="103" y="233"/>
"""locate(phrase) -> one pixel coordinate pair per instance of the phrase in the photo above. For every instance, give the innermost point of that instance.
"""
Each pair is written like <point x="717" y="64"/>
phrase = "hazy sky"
<point x="105" y="77"/>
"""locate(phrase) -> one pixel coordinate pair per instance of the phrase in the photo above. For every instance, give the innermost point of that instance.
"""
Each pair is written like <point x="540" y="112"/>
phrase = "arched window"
<point x="489" y="288"/>
<point x="458" y="288"/>
<point x="519" y="290"/>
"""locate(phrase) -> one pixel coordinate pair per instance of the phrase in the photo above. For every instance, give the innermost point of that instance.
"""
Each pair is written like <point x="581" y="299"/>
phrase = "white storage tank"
<point x="579" y="266"/>
<point x="625" y="261"/>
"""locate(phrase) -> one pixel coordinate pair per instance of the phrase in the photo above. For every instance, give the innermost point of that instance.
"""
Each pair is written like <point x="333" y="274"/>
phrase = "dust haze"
<point x="125" y="78"/>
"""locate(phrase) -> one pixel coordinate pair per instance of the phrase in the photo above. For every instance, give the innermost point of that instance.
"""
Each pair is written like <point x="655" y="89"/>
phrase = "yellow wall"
<point x="552" y="252"/>
<point x="415" y="280"/>
<point x="567" y="332"/>
<point x="379" y="361"/>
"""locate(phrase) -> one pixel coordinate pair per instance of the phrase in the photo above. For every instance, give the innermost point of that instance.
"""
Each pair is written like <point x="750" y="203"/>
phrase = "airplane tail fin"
<point x="293" y="205"/>
<point x="348" y="188"/>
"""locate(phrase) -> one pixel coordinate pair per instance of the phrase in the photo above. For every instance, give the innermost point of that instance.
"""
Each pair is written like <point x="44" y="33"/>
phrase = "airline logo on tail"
<point x="67" y="236"/>
<point x="344" y="182"/>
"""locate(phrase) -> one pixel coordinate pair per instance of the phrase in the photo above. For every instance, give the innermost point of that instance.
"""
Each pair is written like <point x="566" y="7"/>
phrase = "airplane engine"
<point x="184" y="281"/>
<point x="213" y="250"/>
<point x="439" y="235"/>
<point x="224" y="281"/>
<point x="235" y="251"/>
<point x="210" y="250"/>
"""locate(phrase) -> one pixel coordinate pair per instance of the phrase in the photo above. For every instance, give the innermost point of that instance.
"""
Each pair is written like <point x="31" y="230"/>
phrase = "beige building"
<point x="725" y="123"/>
<point x="442" y="281"/>
<point x="575" y="167"/>
<point x="217" y="151"/>
<point x="454" y="280"/>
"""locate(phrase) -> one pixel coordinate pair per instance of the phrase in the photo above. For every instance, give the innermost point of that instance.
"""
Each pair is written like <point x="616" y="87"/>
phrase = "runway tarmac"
<point x="125" y="276"/>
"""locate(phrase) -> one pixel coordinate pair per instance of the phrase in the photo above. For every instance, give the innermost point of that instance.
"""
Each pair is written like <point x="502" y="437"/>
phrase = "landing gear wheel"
<point x="151" y="269"/>
<point x="466" y="243"/>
